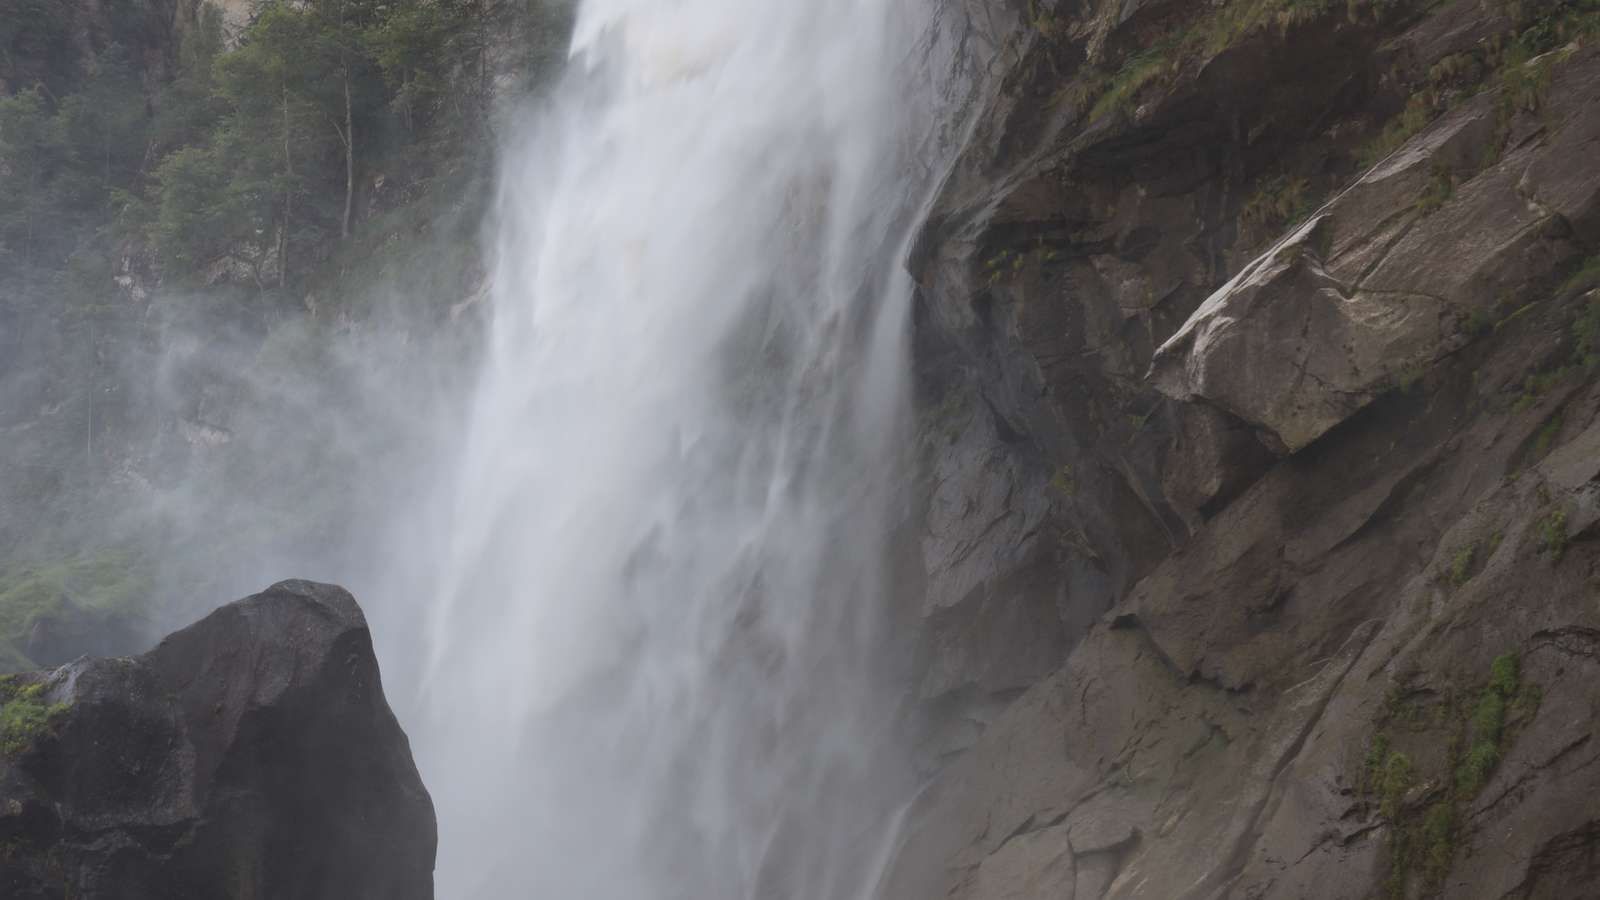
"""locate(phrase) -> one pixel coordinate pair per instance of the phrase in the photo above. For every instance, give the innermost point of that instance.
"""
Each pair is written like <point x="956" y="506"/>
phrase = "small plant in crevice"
<point x="1524" y="81"/>
<point x="1421" y="108"/>
<point x="1118" y="91"/>
<point x="1064" y="481"/>
<point x="1519" y="63"/>
<point x="1553" y="535"/>
<point x="1003" y="264"/>
<point x="1586" y="326"/>
<point x="1044" y="21"/>
<point x="1493" y="545"/>
<point x="1536" y="384"/>
<point x="1585" y="278"/>
<point x="1441" y="186"/>
<point x="1276" y="203"/>
<point x="1479" y="322"/>
<point x="1546" y="437"/>
<point x="1008" y="263"/>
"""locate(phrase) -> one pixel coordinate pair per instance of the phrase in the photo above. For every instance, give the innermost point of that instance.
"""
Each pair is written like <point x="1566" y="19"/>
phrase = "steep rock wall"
<point x="1256" y="346"/>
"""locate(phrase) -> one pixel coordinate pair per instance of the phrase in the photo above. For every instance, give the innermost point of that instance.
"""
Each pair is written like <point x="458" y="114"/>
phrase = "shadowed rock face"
<point x="251" y="754"/>
<point x="1259" y="374"/>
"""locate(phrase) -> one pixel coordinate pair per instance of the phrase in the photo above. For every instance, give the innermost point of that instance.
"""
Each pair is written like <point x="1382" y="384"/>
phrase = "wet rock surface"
<point x="251" y="754"/>
<point x="1261" y="429"/>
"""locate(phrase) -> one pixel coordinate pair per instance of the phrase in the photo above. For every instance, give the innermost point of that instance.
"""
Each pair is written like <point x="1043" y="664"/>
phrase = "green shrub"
<point x="1489" y="718"/>
<point x="23" y="715"/>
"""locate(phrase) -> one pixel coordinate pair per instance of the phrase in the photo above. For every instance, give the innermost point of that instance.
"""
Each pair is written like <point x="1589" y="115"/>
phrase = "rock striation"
<point x="251" y="754"/>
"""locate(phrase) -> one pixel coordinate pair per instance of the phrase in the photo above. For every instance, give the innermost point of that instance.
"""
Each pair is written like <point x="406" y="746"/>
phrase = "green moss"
<point x="24" y="715"/>
<point x="1064" y="481"/>
<point x="107" y="582"/>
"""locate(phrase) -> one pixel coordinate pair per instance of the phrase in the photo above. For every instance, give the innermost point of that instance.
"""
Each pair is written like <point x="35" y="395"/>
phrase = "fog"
<point x="620" y="521"/>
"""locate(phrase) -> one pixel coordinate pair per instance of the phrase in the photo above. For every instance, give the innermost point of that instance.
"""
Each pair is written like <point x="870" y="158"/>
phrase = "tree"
<point x="30" y="145"/>
<point x="417" y="48"/>
<point x="103" y="127"/>
<point x="187" y="107"/>
<point x="35" y="43"/>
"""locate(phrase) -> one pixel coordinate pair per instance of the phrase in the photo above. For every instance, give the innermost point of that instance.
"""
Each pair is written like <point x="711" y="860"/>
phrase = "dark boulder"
<point x="250" y="755"/>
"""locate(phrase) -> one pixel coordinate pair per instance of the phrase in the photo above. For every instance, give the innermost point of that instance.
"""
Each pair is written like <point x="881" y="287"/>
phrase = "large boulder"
<point x="250" y="755"/>
<point x="1437" y="241"/>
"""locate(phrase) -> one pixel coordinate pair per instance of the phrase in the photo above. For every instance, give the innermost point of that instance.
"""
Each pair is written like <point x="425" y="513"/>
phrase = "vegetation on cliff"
<point x="201" y="214"/>
<point x="264" y="150"/>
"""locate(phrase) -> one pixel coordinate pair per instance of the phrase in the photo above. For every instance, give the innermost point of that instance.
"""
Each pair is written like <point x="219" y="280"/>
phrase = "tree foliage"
<point x="251" y="154"/>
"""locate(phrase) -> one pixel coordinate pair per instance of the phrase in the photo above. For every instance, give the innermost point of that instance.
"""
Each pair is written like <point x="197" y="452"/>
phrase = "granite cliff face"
<point x="251" y="754"/>
<point x="1256" y="353"/>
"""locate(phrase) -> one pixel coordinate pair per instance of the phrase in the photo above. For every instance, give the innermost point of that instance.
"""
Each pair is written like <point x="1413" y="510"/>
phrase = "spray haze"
<point x="664" y="593"/>
<point x="624" y="548"/>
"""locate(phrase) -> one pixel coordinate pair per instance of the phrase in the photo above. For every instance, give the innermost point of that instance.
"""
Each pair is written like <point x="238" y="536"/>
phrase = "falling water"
<point x="656" y="667"/>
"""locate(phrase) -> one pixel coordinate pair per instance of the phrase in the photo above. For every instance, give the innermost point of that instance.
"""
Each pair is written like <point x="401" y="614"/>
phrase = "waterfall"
<point x="656" y="667"/>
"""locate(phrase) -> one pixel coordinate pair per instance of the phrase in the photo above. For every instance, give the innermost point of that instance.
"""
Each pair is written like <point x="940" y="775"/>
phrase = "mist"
<point x="620" y="516"/>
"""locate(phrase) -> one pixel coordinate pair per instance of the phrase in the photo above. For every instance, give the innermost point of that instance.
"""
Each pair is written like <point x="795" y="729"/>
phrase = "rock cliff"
<point x="251" y="754"/>
<point x="1256" y="352"/>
